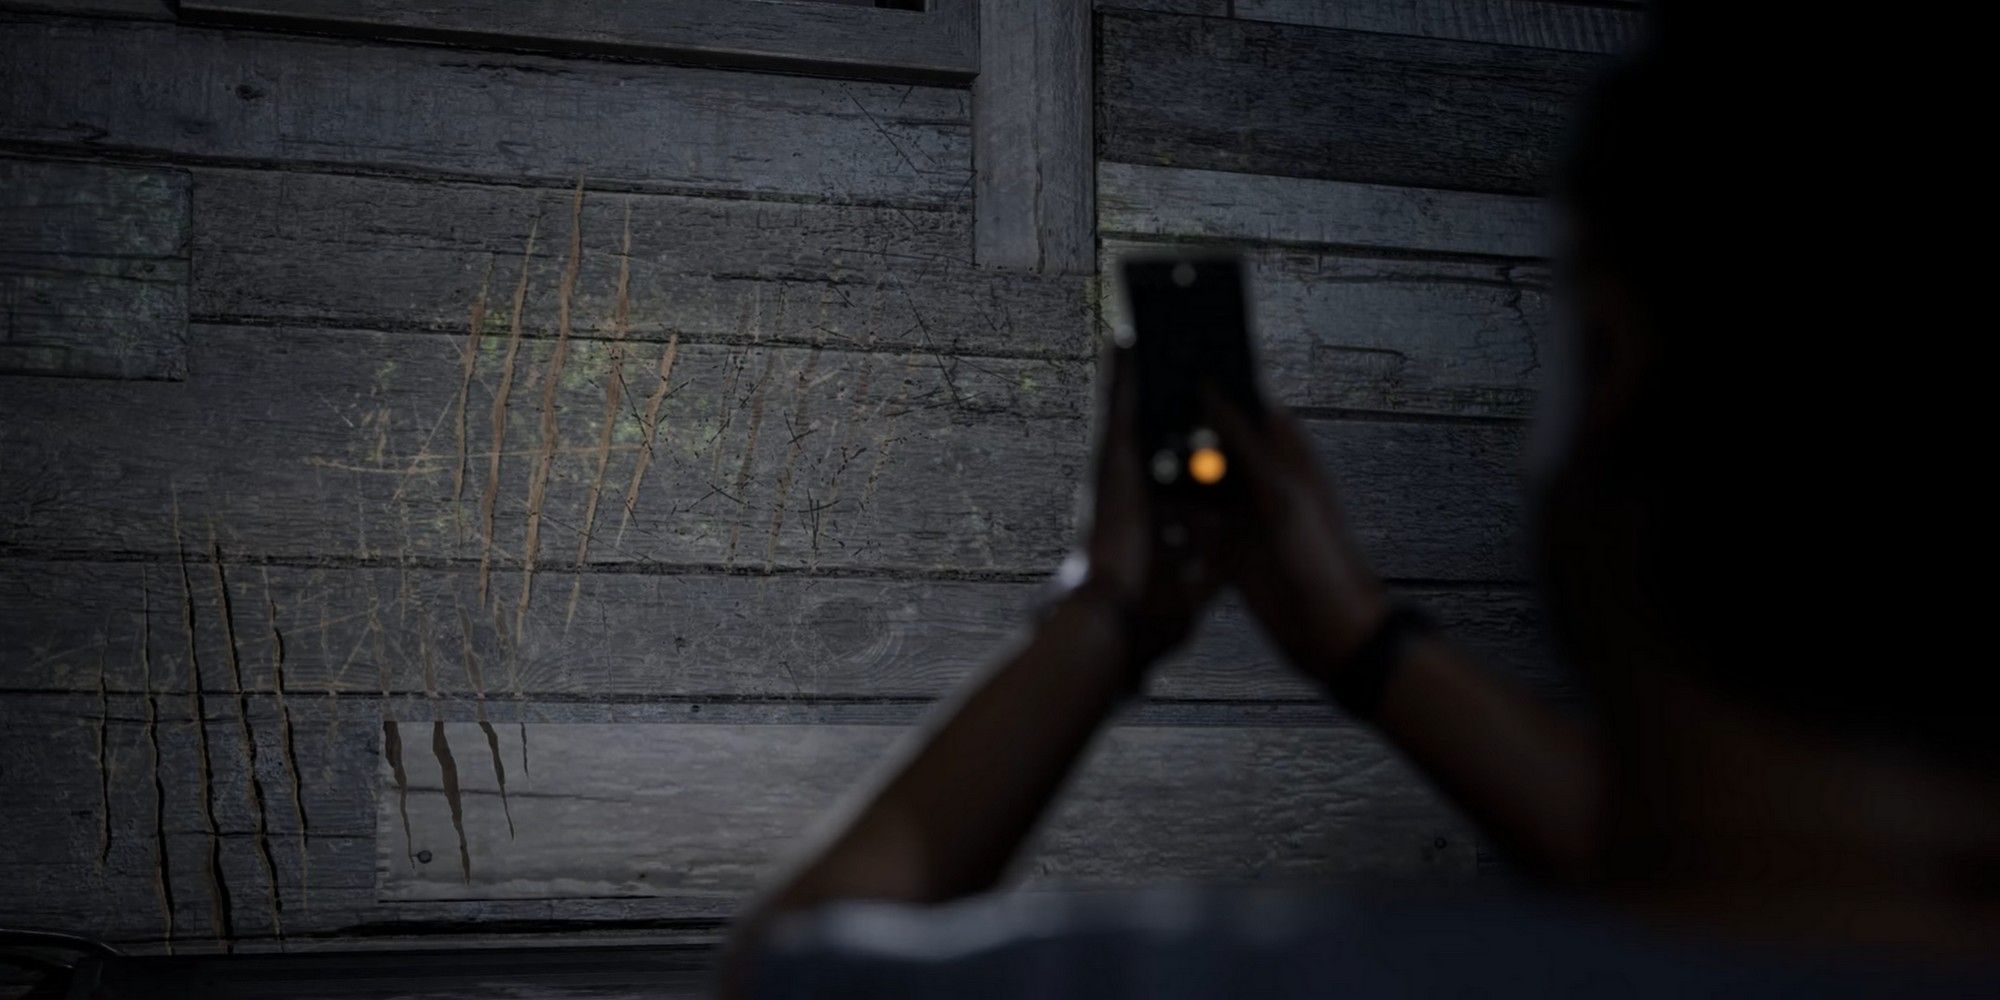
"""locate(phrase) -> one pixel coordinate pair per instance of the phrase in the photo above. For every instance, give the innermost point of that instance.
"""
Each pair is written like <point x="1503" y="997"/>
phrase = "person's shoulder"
<point x="1192" y="943"/>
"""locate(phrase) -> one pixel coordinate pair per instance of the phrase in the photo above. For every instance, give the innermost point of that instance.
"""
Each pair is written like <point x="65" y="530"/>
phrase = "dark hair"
<point x="1722" y="512"/>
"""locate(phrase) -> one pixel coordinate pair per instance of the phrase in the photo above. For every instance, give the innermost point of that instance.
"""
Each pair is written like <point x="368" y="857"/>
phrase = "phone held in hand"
<point x="1189" y="331"/>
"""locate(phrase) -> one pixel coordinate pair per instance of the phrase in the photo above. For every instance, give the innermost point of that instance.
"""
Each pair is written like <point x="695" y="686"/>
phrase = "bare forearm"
<point x="1529" y="777"/>
<point x="953" y="814"/>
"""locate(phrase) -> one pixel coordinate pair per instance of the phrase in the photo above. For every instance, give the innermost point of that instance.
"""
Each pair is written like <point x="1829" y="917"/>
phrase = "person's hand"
<point x="1125" y="562"/>
<point x="1295" y="562"/>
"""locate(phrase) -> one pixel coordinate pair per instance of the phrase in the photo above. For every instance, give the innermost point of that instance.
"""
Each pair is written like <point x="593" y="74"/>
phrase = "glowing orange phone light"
<point x="1207" y="466"/>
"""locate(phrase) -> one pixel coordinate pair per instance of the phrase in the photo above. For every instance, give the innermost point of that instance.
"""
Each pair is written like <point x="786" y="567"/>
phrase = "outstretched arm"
<point x="1528" y="776"/>
<point x="954" y="811"/>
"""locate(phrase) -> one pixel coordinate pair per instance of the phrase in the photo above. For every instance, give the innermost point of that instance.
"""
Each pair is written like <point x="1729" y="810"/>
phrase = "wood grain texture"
<point x="396" y="253"/>
<point x="912" y="462"/>
<point x="171" y="90"/>
<point x="1250" y="97"/>
<point x="1141" y="201"/>
<point x="1034" y="147"/>
<point x="1395" y="335"/>
<point x="93" y="270"/>
<point x="1305" y="800"/>
<point x="412" y="631"/>
<point x="848" y="39"/>
<point x="1575" y="27"/>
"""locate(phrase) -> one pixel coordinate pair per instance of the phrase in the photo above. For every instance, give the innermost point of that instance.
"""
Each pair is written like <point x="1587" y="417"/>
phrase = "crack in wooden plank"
<point x="649" y="425"/>
<point x="232" y="657"/>
<point x="392" y="751"/>
<point x="222" y="919"/>
<point x="476" y="326"/>
<point x="538" y="485"/>
<point x="491" y="494"/>
<point x="448" y="774"/>
<point x="288" y="743"/>
<point x="614" y="390"/>
<point x="163" y="879"/>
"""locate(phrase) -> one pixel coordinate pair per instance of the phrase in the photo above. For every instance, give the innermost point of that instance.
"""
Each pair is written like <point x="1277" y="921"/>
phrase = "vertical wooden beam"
<point x="1032" y="136"/>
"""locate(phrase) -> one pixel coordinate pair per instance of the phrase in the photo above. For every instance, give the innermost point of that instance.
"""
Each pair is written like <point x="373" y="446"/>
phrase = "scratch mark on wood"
<point x="649" y="425"/>
<point x="749" y="453"/>
<point x="539" y="485"/>
<point x="232" y="657"/>
<point x="448" y="770"/>
<point x="392" y="749"/>
<point x="163" y="879"/>
<point x="288" y="741"/>
<point x="103" y="760"/>
<point x="478" y="683"/>
<point x="491" y="494"/>
<point x="614" y="392"/>
<point x="801" y="406"/>
<point x="885" y="443"/>
<point x="223" y="920"/>
<point x="476" y="325"/>
<point x="725" y="401"/>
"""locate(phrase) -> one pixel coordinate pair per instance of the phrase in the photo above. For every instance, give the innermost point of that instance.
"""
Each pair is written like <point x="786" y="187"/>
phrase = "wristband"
<point x="1358" y="680"/>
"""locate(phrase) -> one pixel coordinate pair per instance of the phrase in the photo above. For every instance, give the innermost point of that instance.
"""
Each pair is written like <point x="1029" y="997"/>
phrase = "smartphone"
<point x="1189" y="330"/>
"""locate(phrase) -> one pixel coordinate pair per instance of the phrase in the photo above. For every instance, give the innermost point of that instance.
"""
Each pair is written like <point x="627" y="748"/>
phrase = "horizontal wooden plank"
<point x="101" y="789"/>
<point x="304" y="444"/>
<point x="848" y="39"/>
<point x="1250" y="97"/>
<point x="179" y="91"/>
<point x="1576" y="27"/>
<point x="93" y="270"/>
<point x="1141" y="201"/>
<point x="155" y="10"/>
<point x="79" y="624"/>
<point x="394" y="253"/>
<point x="703" y="811"/>
<point x="1388" y="334"/>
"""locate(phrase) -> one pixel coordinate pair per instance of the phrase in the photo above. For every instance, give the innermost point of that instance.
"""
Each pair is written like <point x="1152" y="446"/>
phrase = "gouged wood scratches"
<point x="303" y="453"/>
<point x="1310" y="796"/>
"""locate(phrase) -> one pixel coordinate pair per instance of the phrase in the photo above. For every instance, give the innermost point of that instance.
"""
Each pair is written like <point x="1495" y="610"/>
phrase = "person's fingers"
<point x="1293" y="445"/>
<point x="1117" y="439"/>
<point x="1249" y="448"/>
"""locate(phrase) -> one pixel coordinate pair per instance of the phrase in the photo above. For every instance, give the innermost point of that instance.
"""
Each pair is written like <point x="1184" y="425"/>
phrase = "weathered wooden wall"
<point x="452" y="484"/>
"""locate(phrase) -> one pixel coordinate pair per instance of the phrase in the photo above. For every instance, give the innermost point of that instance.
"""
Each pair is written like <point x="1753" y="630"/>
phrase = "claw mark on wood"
<point x="801" y="403"/>
<point x="749" y="453"/>
<point x="614" y="391"/>
<point x="448" y="769"/>
<point x="492" y="492"/>
<point x="392" y="750"/>
<point x="885" y="444"/>
<point x="649" y="424"/>
<point x="478" y="683"/>
<point x="163" y="879"/>
<point x="476" y="325"/>
<point x="725" y="401"/>
<point x="287" y="738"/>
<point x="538" y="487"/>
<point x="223" y="921"/>
<point x="230" y="655"/>
<point x="103" y="760"/>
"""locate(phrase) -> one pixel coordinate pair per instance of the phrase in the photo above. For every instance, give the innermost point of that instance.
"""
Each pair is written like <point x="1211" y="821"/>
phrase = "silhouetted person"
<point x="1781" y="751"/>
